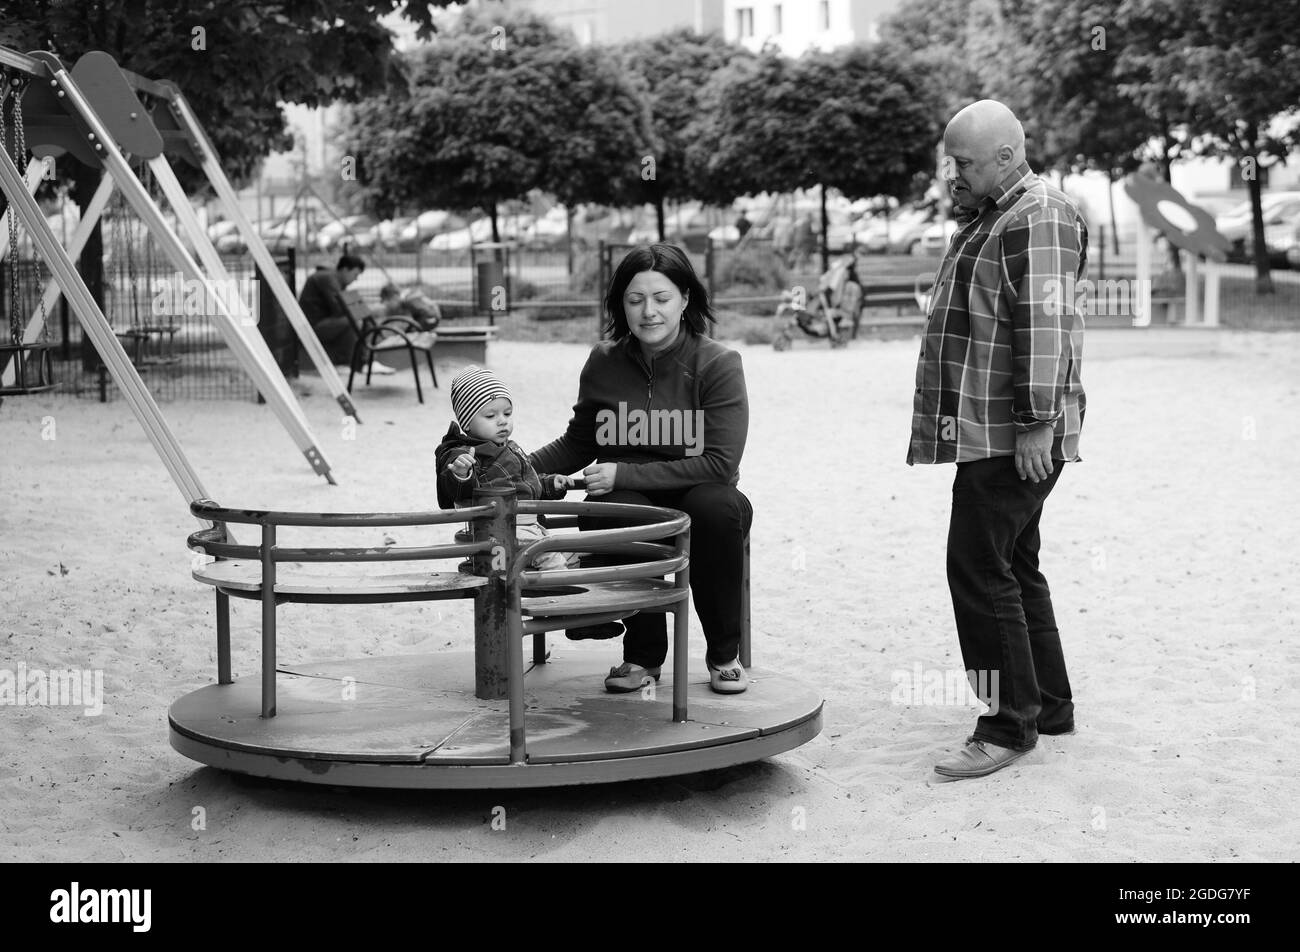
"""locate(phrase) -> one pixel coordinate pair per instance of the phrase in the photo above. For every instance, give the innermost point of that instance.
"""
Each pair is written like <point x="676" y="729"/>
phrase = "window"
<point x="776" y="19"/>
<point x="825" y="11"/>
<point x="744" y="22"/>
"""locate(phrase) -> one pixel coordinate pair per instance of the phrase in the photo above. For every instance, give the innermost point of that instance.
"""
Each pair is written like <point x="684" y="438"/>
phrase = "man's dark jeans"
<point x="338" y="337"/>
<point x="1002" y="604"/>
<point x="720" y="519"/>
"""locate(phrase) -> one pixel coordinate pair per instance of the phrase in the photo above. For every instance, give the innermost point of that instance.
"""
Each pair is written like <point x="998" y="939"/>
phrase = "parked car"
<point x="352" y="228"/>
<point x="218" y="229"/>
<point x="1281" y="212"/>
<point x="840" y="236"/>
<point x="460" y="239"/>
<point x="427" y="224"/>
<point x="549" y="231"/>
<point x="687" y="226"/>
<point x="388" y="233"/>
<point x="279" y="234"/>
<point x="935" y="238"/>
<point x="900" y="233"/>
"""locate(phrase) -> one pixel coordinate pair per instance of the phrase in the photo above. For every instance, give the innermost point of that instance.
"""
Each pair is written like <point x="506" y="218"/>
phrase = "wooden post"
<point x="268" y="620"/>
<point x="223" y="638"/>
<point x="1212" y="272"/>
<point x="1140" y="298"/>
<point x="681" y="634"/>
<point x="491" y="603"/>
<point x="1191" y="306"/>
<point x="744" y="610"/>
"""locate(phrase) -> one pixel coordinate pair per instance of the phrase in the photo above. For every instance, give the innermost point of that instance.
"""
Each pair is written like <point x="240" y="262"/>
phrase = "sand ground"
<point x="1171" y="550"/>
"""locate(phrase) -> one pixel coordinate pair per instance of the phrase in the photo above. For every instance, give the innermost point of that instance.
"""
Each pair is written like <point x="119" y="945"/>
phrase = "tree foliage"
<point x="670" y="72"/>
<point x="861" y="119"/>
<point x="236" y="62"/>
<point x="495" y="107"/>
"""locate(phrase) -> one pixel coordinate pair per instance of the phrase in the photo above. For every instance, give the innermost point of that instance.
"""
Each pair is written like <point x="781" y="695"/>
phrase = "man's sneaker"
<point x="382" y="369"/>
<point x="978" y="759"/>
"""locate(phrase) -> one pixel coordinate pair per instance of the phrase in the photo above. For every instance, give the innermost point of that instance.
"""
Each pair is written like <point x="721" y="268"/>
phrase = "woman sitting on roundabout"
<point x="661" y="419"/>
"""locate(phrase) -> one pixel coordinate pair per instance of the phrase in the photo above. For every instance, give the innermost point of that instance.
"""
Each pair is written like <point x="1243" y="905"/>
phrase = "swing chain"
<point x="13" y="97"/>
<point x="20" y="137"/>
<point x="15" y="322"/>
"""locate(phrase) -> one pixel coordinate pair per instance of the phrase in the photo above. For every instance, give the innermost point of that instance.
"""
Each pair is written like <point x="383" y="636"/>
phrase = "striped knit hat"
<point x="472" y="389"/>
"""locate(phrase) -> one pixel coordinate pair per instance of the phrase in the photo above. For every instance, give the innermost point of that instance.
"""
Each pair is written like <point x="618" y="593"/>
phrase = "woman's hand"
<point x="600" y="478"/>
<point x="462" y="465"/>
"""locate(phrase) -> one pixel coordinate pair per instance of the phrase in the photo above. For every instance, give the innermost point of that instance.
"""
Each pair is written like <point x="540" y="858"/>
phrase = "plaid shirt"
<point x="1003" y="341"/>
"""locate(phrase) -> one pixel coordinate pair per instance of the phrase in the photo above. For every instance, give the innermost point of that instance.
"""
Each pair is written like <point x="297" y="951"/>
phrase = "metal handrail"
<point x="209" y="510"/>
<point x="669" y="522"/>
<point x="597" y="539"/>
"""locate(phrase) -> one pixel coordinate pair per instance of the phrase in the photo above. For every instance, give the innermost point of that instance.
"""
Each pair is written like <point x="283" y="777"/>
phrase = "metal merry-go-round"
<point x="487" y="718"/>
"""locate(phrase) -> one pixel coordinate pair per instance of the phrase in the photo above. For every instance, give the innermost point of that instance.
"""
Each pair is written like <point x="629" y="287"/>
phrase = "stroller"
<point x="837" y="307"/>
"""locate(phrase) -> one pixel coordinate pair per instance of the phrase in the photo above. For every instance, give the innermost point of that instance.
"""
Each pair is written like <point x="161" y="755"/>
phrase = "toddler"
<point x="478" y="451"/>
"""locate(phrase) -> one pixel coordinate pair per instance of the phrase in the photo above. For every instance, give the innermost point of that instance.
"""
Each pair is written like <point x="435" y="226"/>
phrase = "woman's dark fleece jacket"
<point x="695" y="373"/>
<point x="494" y="465"/>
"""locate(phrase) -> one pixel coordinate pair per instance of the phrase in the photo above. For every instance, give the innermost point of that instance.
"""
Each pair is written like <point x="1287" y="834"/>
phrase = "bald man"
<point x="998" y="393"/>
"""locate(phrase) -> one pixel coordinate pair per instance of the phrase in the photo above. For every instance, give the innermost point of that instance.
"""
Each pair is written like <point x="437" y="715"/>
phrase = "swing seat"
<point x="32" y="366"/>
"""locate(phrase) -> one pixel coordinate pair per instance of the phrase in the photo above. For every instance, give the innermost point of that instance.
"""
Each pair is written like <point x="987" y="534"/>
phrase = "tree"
<point x="671" y="70"/>
<point x="861" y="119"/>
<point x="499" y="106"/>
<point x="1081" y="114"/>
<point x="235" y="64"/>
<point x="1238" y="69"/>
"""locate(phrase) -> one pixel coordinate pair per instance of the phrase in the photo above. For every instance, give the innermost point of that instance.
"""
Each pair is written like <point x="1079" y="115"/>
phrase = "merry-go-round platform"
<point x="486" y="718"/>
<point x="408" y="721"/>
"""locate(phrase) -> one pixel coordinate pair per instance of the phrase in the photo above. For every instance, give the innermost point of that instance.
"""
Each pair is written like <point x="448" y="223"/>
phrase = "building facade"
<point x="612" y="21"/>
<point x="795" y="26"/>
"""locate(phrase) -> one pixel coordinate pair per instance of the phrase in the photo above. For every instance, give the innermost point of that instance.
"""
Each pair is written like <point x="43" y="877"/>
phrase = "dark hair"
<point x="352" y="262"/>
<point x="672" y="263"/>
<point x="390" y="290"/>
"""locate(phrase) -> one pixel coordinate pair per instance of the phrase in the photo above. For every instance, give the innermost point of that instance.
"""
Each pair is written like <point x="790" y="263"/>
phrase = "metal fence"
<point x="181" y="354"/>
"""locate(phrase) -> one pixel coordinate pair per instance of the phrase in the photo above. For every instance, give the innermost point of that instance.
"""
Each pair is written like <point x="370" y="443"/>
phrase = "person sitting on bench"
<point x="411" y="303"/>
<point x="322" y="304"/>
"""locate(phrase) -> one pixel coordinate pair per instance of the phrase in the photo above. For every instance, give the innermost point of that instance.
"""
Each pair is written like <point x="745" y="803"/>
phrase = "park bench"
<point x="1167" y="306"/>
<point x="381" y="334"/>
<point x="467" y="342"/>
<point x="898" y="294"/>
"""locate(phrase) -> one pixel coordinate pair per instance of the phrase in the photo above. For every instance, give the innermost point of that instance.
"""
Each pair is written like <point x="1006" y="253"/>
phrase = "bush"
<point x="585" y="279"/>
<point x="522" y="290"/>
<point x="756" y="270"/>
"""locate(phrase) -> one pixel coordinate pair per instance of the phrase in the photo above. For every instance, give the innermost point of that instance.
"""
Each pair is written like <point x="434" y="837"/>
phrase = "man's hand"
<point x="1034" y="452"/>
<point x="600" y="478"/>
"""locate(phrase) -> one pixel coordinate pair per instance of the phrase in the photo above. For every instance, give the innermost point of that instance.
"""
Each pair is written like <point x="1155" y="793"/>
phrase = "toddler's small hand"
<point x="563" y="482"/>
<point x="462" y="465"/>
